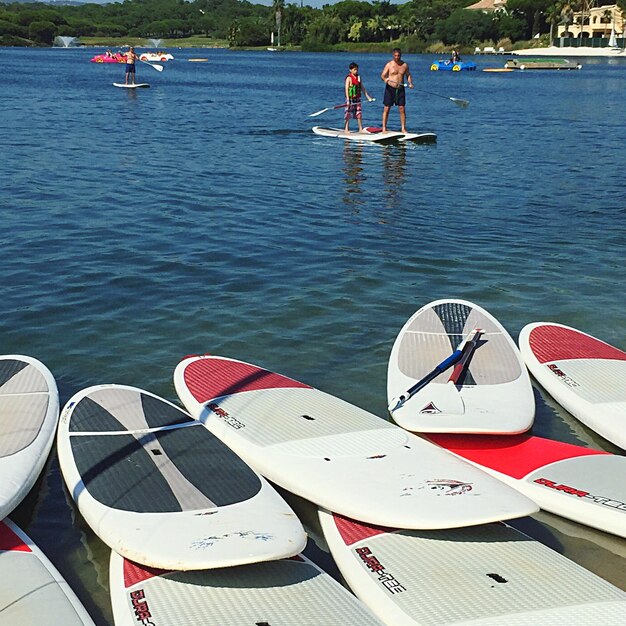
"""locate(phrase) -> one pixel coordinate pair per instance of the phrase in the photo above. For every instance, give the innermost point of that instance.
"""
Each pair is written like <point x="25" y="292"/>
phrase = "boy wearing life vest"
<point x="354" y="88"/>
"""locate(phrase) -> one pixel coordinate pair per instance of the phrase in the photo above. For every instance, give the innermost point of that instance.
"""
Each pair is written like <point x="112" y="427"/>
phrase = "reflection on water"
<point x="358" y="159"/>
<point x="353" y="175"/>
<point x="394" y="170"/>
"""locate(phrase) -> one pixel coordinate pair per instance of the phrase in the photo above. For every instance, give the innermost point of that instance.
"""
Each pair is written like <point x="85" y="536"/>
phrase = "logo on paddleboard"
<point x="372" y="563"/>
<point x="580" y="493"/>
<point x="447" y="487"/>
<point x="140" y="607"/>
<point x="207" y="542"/>
<point x="568" y="380"/>
<point x="431" y="409"/>
<point x="229" y="419"/>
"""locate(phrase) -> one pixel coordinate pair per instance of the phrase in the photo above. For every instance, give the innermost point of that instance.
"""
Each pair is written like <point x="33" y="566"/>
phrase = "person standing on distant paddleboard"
<point x="131" y="57"/>
<point x="354" y="88"/>
<point x="394" y="75"/>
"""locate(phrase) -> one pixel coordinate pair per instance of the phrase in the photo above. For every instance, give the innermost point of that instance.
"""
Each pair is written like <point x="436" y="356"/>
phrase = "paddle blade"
<point x="448" y="362"/>
<point x="461" y="103"/>
<point x="469" y="346"/>
<point x="158" y="68"/>
<point x="438" y="398"/>
<point x="318" y="112"/>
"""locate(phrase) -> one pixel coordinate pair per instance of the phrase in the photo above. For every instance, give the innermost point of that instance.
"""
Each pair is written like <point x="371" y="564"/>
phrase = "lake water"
<point x="203" y="215"/>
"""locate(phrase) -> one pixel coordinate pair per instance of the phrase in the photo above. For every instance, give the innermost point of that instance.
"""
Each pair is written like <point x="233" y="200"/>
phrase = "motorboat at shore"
<point x="534" y="63"/>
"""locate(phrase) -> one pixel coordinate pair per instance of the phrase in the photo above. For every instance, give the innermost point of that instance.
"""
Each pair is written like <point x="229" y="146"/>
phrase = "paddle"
<point x="468" y="350"/>
<point x="337" y="106"/>
<point x="447" y="398"/>
<point x="156" y="66"/>
<point x="461" y="103"/>
<point x="448" y="362"/>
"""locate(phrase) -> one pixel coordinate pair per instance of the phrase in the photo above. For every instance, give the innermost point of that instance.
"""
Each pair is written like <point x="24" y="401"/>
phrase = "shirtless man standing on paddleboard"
<point x="394" y="75"/>
<point x="131" y="57"/>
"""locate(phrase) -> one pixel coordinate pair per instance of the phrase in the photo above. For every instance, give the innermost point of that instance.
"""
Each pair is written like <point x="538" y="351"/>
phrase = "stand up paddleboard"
<point x="583" y="374"/>
<point x="489" y="575"/>
<point x="32" y="590"/>
<point x="29" y="412"/>
<point x="278" y="593"/>
<point x="410" y="137"/>
<point x="584" y="485"/>
<point x="135" y="86"/>
<point x="388" y="137"/>
<point x="159" y="489"/>
<point x="337" y="455"/>
<point x="454" y="369"/>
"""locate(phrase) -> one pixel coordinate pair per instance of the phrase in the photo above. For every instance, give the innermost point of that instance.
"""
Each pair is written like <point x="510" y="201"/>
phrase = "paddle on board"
<point x="463" y="352"/>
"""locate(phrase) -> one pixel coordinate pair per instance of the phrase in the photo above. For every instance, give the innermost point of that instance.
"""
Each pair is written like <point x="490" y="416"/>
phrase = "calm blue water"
<point x="202" y="215"/>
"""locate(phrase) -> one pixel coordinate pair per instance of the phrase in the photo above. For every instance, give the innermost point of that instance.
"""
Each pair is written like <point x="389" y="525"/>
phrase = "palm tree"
<point x="554" y="16"/>
<point x="567" y="18"/>
<point x="608" y="18"/>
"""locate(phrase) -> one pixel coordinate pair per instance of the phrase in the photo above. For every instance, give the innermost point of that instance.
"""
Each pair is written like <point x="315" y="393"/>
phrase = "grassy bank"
<point x="408" y="45"/>
<point x="142" y="42"/>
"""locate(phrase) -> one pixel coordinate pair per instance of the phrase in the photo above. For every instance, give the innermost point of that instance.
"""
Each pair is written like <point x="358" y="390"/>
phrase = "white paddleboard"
<point x="583" y="374"/>
<point x="337" y="455"/>
<point x="410" y="137"/>
<point x="32" y="591"/>
<point x="29" y="412"/>
<point x="159" y="489"/>
<point x="492" y="394"/>
<point x="277" y="593"/>
<point x="135" y="86"/>
<point x="578" y="483"/>
<point x="388" y="137"/>
<point x="490" y="575"/>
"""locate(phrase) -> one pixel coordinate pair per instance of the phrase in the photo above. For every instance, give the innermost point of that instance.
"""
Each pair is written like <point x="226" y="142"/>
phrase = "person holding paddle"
<point x="354" y="88"/>
<point x="131" y="57"/>
<point x="394" y="75"/>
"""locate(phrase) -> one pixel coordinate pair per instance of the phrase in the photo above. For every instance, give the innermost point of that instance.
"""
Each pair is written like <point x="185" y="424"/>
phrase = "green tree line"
<point x="417" y="23"/>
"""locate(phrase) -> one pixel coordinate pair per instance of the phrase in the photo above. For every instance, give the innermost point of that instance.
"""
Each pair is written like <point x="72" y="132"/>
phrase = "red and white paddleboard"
<point x="583" y="374"/>
<point x="32" y="591"/>
<point x="273" y="593"/>
<point x="492" y="575"/>
<point x="584" y="485"/>
<point x="337" y="455"/>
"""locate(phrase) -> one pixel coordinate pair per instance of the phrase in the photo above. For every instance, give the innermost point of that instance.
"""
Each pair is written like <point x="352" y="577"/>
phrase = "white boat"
<point x="152" y="57"/>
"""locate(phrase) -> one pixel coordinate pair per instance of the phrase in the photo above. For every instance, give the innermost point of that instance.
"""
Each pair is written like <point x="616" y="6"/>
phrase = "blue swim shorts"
<point x="130" y="68"/>
<point x="394" y="96"/>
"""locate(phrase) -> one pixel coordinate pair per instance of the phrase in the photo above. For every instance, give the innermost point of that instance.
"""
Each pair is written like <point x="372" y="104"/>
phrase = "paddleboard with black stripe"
<point x="159" y="489"/>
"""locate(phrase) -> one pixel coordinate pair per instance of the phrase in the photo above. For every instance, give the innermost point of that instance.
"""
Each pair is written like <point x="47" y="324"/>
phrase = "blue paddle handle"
<point x="442" y="367"/>
<point x="450" y="361"/>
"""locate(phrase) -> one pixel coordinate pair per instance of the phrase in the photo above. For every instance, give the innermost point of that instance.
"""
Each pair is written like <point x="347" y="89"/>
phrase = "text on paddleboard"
<point x="221" y="413"/>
